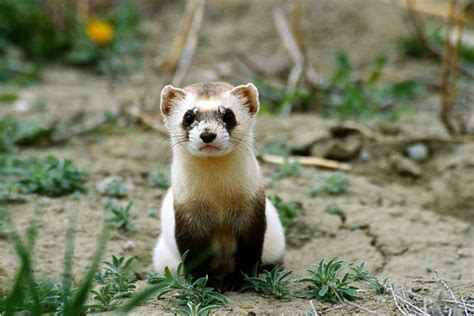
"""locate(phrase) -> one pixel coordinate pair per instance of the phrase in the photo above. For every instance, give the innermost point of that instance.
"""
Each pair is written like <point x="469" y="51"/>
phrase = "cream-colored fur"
<point x="215" y="178"/>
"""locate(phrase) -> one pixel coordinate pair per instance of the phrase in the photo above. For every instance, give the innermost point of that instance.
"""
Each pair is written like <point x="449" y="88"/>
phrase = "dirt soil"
<point x="403" y="223"/>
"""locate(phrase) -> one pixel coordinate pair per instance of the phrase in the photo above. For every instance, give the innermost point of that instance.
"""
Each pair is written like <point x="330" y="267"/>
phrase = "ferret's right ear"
<point x="169" y="98"/>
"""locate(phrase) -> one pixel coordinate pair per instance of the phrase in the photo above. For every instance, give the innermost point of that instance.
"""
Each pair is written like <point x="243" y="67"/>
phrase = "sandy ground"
<point x="402" y="225"/>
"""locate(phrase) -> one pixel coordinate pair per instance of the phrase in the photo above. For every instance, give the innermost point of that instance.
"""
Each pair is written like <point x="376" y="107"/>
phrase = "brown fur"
<point x="201" y="229"/>
<point x="209" y="90"/>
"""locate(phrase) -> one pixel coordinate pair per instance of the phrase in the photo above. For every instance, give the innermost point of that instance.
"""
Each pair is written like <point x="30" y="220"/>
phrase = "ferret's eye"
<point x="188" y="118"/>
<point x="228" y="118"/>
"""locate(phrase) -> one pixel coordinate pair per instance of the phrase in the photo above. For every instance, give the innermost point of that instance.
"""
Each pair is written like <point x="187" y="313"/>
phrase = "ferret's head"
<point x="210" y="119"/>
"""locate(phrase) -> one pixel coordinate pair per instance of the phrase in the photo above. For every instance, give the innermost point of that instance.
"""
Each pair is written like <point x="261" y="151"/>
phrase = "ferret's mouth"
<point x="209" y="148"/>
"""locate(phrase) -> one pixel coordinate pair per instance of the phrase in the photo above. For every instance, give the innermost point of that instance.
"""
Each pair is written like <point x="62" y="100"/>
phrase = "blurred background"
<point x="365" y="131"/>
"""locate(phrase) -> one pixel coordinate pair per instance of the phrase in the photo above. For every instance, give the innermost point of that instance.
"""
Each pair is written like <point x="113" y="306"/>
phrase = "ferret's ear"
<point x="249" y="95"/>
<point x="169" y="98"/>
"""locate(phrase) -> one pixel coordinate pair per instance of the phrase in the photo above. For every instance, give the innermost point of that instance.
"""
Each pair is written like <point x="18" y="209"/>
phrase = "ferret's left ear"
<point x="169" y="97"/>
<point x="249" y="95"/>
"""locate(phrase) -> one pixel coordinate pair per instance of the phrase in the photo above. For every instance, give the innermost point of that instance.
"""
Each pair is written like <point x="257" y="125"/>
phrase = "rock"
<point x="417" y="152"/>
<point x="405" y="167"/>
<point x="364" y="155"/>
<point x="246" y="306"/>
<point x="129" y="245"/>
<point x="389" y="129"/>
<point x="344" y="149"/>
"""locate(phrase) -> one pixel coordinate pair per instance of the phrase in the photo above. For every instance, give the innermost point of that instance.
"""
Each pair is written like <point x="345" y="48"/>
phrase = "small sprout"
<point x="288" y="212"/>
<point x="276" y="148"/>
<point x="195" y="309"/>
<point x="334" y="209"/>
<point x="289" y="168"/>
<point x="273" y="282"/>
<point x="52" y="177"/>
<point x="120" y="215"/>
<point x="105" y="298"/>
<point x="380" y="287"/>
<point x="326" y="283"/>
<point x="116" y="189"/>
<point x="186" y="291"/>
<point x="360" y="272"/>
<point x="336" y="183"/>
<point x="117" y="283"/>
<point x="160" y="180"/>
<point x="314" y="191"/>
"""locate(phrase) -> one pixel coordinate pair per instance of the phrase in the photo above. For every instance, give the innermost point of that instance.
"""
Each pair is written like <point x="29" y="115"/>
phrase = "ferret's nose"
<point x="208" y="137"/>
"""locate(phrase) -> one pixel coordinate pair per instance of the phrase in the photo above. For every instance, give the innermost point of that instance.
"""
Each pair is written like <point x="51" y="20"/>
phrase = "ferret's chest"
<point x="230" y="215"/>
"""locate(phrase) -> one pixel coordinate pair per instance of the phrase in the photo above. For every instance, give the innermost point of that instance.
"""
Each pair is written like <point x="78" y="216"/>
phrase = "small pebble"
<point x="364" y="155"/>
<point x="129" y="245"/>
<point x="417" y="151"/>
<point x="246" y="306"/>
<point x="416" y="288"/>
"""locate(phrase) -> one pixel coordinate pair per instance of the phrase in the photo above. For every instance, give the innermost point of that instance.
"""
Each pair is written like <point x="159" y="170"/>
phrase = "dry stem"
<point x="190" y="45"/>
<point x="306" y="161"/>
<point x="177" y="47"/>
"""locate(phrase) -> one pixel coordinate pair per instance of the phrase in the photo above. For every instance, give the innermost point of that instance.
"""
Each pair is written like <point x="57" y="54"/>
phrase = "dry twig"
<point x="360" y="307"/>
<point x="390" y="287"/>
<point x="295" y="46"/>
<point x="445" y="285"/>
<point x="169" y="65"/>
<point x="306" y="161"/>
<point x="190" y="46"/>
<point x="315" y="313"/>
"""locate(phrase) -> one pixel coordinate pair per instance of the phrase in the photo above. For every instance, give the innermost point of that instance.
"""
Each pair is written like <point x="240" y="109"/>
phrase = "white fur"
<point x="166" y="253"/>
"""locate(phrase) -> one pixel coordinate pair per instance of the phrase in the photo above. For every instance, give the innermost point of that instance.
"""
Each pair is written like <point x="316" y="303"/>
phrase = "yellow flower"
<point x="99" y="31"/>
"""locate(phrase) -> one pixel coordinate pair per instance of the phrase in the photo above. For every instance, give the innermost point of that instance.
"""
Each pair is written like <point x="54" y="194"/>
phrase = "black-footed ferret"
<point x="216" y="207"/>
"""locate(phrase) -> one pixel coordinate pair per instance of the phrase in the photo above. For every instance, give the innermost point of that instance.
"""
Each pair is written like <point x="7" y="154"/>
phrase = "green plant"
<point x="360" y="272"/>
<point x="275" y="99"/>
<point x="117" y="283"/>
<point x="274" y="282"/>
<point x="334" y="209"/>
<point x="289" y="168"/>
<point x="26" y="294"/>
<point x="33" y="27"/>
<point x="364" y="99"/>
<point x="102" y="43"/>
<point x="412" y="47"/>
<point x="3" y="224"/>
<point x="380" y="287"/>
<point x="121" y="215"/>
<point x="336" y="183"/>
<point x="186" y="290"/>
<point x="288" y="212"/>
<point x="8" y="97"/>
<point x="195" y="309"/>
<point x="159" y="179"/>
<point x="277" y="148"/>
<point x="116" y="189"/>
<point x="52" y="177"/>
<point x="327" y="284"/>
<point x="14" y="132"/>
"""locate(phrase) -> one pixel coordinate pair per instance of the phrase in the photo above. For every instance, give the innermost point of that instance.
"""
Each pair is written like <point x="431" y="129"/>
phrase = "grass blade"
<point x="79" y="299"/>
